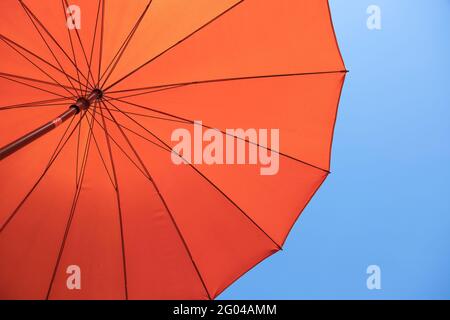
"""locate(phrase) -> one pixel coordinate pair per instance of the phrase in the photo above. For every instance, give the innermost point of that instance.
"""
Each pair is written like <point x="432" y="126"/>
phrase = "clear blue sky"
<point x="387" y="201"/>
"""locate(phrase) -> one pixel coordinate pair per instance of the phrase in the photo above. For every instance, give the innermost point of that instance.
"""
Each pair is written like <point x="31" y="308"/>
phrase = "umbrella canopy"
<point x="110" y="191"/>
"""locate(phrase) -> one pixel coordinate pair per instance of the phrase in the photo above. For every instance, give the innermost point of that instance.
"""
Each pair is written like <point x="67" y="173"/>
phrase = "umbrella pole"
<point x="80" y="105"/>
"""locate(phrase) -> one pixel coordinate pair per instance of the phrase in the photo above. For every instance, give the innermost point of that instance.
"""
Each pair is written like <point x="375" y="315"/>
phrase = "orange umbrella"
<point x="181" y="141"/>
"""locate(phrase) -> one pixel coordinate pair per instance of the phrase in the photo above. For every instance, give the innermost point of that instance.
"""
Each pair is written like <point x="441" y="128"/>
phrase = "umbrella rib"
<point x="118" y="51"/>
<point x="56" y="82"/>
<point x="139" y="135"/>
<point x="73" y="208"/>
<point x="77" y="155"/>
<point x="69" y="77"/>
<point x="51" y="37"/>
<point x="29" y="13"/>
<point x="164" y="88"/>
<point x="101" y="44"/>
<point x="174" y="45"/>
<point x="33" y="103"/>
<point x="35" y="80"/>
<point x="182" y="84"/>
<point x="164" y="203"/>
<point x="47" y="168"/>
<point x="34" y="106"/>
<point x="82" y="47"/>
<point x="103" y="161"/>
<point x="115" y="56"/>
<point x="90" y="133"/>
<point x="202" y="175"/>
<point x="73" y="51"/>
<point x="120" y="148"/>
<point x="98" y="149"/>
<point x="95" y="35"/>
<point x="134" y="132"/>
<point x="119" y="208"/>
<point x="152" y="117"/>
<point x="225" y="133"/>
<point x="126" y="43"/>
<point x="37" y="88"/>
<point x="151" y="109"/>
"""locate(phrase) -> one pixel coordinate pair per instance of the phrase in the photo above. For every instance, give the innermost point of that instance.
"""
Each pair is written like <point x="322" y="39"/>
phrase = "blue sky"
<point x="387" y="201"/>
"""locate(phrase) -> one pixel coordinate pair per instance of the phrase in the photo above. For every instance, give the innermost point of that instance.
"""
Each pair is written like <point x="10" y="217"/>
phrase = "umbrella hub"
<point x="84" y="103"/>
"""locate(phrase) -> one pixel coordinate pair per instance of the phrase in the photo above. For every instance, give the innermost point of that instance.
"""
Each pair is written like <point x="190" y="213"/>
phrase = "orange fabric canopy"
<point x="101" y="191"/>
